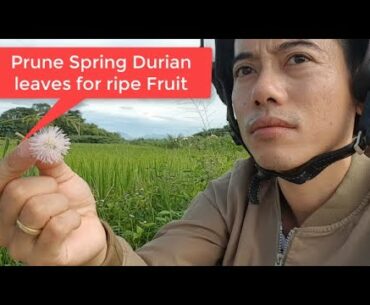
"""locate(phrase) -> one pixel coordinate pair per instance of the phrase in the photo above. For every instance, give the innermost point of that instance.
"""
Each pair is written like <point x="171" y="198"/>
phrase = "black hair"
<point x="354" y="53"/>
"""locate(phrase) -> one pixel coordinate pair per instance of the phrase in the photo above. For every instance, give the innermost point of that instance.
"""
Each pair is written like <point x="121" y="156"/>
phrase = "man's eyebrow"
<point x="282" y="47"/>
<point x="294" y="43"/>
<point x="242" y="56"/>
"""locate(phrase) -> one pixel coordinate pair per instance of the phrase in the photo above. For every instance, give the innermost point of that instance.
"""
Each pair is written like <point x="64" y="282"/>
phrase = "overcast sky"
<point x="134" y="118"/>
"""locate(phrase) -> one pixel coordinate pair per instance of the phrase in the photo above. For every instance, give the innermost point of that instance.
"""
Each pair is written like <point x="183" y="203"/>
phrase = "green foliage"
<point x="19" y="119"/>
<point x="6" y="147"/>
<point x="41" y="108"/>
<point x="95" y="139"/>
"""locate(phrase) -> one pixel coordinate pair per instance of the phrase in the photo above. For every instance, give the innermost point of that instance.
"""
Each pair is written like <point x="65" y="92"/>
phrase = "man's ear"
<point x="359" y="108"/>
<point x="232" y="105"/>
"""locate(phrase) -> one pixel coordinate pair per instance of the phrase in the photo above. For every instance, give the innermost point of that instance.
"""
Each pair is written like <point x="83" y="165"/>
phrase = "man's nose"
<point x="269" y="88"/>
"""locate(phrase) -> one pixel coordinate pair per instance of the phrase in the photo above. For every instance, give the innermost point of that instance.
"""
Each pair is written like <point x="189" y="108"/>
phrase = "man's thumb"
<point x="60" y="171"/>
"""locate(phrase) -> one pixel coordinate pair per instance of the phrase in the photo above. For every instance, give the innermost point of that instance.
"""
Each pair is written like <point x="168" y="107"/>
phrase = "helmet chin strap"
<point x="316" y="165"/>
<point x="305" y="172"/>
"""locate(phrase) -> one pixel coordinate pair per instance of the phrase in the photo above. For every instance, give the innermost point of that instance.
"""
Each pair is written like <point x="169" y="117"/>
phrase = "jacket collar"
<point x="347" y="197"/>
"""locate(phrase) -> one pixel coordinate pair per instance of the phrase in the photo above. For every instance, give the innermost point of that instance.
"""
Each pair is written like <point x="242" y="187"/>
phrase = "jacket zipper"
<point x="283" y="249"/>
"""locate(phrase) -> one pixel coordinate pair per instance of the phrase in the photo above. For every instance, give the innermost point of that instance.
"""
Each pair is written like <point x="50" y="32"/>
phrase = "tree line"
<point x="22" y="119"/>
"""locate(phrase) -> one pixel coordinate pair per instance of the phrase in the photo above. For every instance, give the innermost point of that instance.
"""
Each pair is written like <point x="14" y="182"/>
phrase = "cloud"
<point x="126" y="108"/>
<point x="6" y="104"/>
<point x="163" y="117"/>
<point x="139" y="127"/>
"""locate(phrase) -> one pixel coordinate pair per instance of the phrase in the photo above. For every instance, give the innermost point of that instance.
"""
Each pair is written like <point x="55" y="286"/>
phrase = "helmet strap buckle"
<point x="357" y="146"/>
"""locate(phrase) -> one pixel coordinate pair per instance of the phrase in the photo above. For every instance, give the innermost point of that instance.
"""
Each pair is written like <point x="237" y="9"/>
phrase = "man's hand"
<point x="59" y="203"/>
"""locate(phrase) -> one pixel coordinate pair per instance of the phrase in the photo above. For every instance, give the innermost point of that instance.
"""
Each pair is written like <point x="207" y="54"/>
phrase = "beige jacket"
<point x="220" y="228"/>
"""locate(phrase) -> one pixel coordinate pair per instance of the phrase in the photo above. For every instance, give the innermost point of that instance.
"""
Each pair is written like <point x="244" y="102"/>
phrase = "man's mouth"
<point x="269" y="122"/>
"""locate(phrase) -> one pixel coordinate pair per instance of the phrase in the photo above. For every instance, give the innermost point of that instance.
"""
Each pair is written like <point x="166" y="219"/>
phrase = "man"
<point x="302" y="199"/>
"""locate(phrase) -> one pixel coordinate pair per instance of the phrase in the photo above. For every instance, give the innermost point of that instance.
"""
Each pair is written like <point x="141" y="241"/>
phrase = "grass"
<point x="140" y="186"/>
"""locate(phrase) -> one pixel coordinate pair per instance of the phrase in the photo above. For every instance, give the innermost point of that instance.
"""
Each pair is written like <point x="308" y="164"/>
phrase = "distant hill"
<point x="214" y="131"/>
<point x="154" y="136"/>
<point x="126" y="136"/>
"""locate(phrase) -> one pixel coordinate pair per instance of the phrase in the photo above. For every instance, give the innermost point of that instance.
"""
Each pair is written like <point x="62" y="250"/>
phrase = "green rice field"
<point x="140" y="186"/>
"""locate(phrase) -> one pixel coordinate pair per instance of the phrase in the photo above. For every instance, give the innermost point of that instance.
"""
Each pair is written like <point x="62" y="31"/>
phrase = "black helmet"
<point x="222" y="79"/>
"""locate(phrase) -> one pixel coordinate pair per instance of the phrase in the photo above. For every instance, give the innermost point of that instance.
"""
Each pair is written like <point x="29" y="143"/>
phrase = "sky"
<point x="134" y="118"/>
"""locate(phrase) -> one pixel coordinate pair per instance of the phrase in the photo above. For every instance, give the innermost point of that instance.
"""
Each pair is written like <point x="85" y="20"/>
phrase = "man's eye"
<point x="298" y="59"/>
<point x="243" y="71"/>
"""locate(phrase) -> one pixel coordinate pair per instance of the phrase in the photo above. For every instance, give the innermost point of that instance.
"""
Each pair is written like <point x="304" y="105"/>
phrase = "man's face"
<point x="292" y="99"/>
